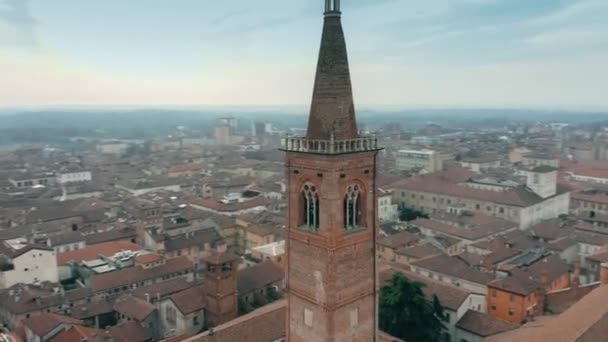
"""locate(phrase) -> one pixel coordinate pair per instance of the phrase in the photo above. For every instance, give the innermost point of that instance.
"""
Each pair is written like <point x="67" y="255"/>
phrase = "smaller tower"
<point x="220" y="286"/>
<point x="543" y="181"/>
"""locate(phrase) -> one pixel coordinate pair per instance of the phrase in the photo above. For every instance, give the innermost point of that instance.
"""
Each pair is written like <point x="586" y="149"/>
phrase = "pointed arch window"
<point x="310" y="206"/>
<point x="352" y="207"/>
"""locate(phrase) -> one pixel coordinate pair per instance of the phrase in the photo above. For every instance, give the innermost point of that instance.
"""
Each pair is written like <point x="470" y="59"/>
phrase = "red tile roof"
<point x="44" y="323"/>
<point x="259" y="276"/>
<point x="472" y="232"/>
<point x="398" y="240"/>
<point x="133" y="307"/>
<point x="130" y="332"/>
<point x="483" y="325"/>
<point x="80" y="333"/>
<point x="184" y="168"/>
<point x="189" y="300"/>
<point x="445" y="183"/>
<point x="266" y="324"/>
<point x="147" y="258"/>
<point x="107" y="249"/>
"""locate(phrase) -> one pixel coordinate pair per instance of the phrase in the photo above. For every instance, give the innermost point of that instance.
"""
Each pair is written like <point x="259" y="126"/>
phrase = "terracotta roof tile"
<point x="162" y="289"/>
<point x="107" y="249"/>
<point x="259" y="276"/>
<point x="133" y="307"/>
<point x="44" y="323"/>
<point x="454" y="267"/>
<point x="130" y="332"/>
<point x="266" y="324"/>
<point x="189" y="300"/>
<point x="80" y="333"/>
<point x="483" y="325"/>
<point x="398" y="240"/>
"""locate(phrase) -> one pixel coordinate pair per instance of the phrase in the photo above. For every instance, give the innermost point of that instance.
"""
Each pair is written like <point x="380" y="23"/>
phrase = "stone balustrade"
<point x="301" y="144"/>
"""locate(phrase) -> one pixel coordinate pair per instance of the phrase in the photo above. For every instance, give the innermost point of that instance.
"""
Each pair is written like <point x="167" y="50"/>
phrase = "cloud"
<point x="17" y="25"/>
<point x="570" y="38"/>
<point x="574" y="10"/>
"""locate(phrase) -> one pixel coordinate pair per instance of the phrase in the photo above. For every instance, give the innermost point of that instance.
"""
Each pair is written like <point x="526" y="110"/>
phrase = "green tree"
<point x="406" y="313"/>
<point x="410" y="214"/>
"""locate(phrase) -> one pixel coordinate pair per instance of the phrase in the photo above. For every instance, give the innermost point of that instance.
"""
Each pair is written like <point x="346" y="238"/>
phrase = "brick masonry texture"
<point x="332" y="108"/>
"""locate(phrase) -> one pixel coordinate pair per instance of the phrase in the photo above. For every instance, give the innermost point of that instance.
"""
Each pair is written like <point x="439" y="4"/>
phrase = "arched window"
<point x="352" y="207"/>
<point x="310" y="204"/>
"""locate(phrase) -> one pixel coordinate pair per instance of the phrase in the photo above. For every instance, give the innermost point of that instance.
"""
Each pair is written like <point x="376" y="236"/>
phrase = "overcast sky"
<point x="410" y="53"/>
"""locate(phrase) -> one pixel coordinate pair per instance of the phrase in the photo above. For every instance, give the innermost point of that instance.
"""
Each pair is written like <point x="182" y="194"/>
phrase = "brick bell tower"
<point x="331" y="276"/>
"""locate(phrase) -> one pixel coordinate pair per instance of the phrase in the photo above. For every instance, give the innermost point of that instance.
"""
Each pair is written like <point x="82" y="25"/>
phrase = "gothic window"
<point x="310" y="206"/>
<point x="352" y="207"/>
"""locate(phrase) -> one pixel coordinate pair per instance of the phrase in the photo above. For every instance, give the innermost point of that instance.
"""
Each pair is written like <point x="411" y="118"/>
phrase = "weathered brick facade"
<point x="331" y="271"/>
<point x="220" y="288"/>
<point x="331" y="247"/>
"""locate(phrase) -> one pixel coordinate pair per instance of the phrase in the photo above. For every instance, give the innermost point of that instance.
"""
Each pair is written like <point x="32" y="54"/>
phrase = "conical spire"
<point x="332" y="110"/>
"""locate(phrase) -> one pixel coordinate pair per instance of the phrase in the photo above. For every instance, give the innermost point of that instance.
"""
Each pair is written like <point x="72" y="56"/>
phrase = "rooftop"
<point x="483" y="325"/>
<point x="136" y="274"/>
<point x="259" y="276"/>
<point x="89" y="253"/>
<point x="584" y="321"/>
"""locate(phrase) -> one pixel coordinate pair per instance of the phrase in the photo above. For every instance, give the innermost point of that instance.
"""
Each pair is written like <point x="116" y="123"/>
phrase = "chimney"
<point x="544" y="273"/>
<point x="604" y="274"/>
<point x="147" y="297"/>
<point x="158" y="297"/>
<point x="576" y="276"/>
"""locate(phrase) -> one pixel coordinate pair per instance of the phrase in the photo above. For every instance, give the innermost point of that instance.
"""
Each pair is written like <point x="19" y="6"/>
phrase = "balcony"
<point x="300" y="144"/>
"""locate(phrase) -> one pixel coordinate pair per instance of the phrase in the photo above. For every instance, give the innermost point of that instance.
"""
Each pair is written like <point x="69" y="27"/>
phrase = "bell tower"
<point x="331" y="172"/>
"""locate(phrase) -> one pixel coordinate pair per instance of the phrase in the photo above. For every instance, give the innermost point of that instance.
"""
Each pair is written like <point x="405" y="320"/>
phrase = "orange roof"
<point x="80" y="333"/>
<point x="106" y="249"/>
<point x="185" y="168"/>
<point x="591" y="171"/>
<point x="147" y="258"/>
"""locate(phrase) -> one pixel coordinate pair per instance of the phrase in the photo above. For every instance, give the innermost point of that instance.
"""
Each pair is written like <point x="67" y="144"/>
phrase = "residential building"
<point x="585" y="320"/>
<point x="132" y="277"/>
<point x="183" y="313"/>
<point x="27" y="180"/>
<point x="113" y="148"/>
<point x="387" y="211"/>
<point x="424" y="161"/>
<point x="24" y="263"/>
<point x="69" y="176"/>
<point x="520" y="296"/>
<point x="145" y="314"/>
<point x="526" y="205"/>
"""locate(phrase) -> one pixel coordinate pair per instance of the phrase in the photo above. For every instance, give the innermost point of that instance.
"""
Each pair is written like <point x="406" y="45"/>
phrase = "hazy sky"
<point x="513" y="53"/>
